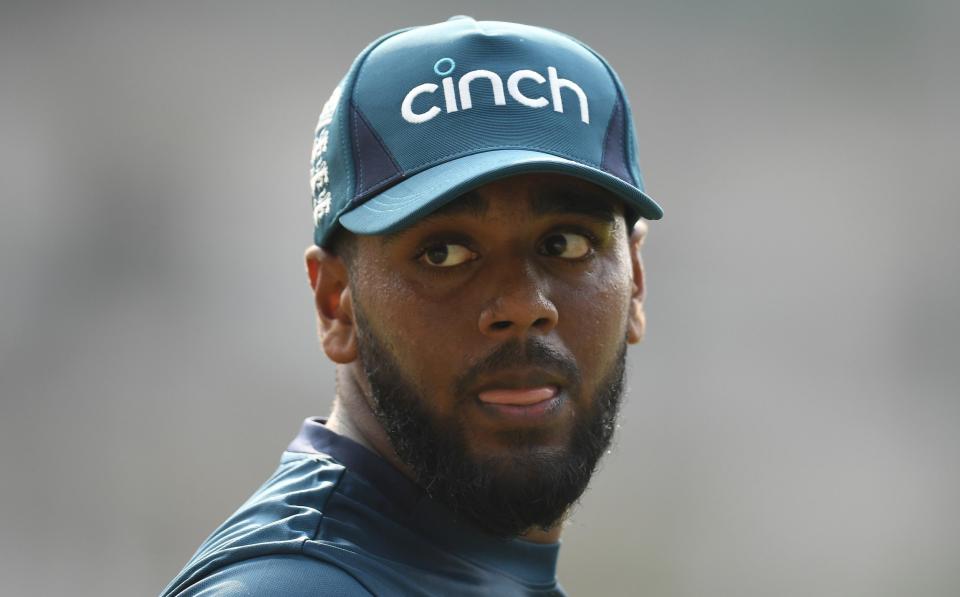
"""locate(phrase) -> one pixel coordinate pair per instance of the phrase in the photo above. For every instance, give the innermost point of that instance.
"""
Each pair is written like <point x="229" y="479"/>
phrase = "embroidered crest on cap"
<point x="319" y="172"/>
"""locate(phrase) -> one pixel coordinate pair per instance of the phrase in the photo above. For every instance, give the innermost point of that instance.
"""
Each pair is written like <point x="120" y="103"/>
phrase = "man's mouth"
<point x="530" y="395"/>
<point x="527" y="406"/>
<point x="518" y="396"/>
<point x="533" y="405"/>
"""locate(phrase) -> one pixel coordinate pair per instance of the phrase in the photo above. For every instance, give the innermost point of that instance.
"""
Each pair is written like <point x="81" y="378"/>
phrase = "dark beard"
<point x="504" y="495"/>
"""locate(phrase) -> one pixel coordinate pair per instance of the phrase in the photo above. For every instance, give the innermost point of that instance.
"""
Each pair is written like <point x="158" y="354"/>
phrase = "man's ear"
<point x="330" y="283"/>
<point x="636" y="321"/>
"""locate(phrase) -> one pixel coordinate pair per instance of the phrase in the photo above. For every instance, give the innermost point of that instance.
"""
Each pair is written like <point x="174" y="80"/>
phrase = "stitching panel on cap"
<point x="373" y="148"/>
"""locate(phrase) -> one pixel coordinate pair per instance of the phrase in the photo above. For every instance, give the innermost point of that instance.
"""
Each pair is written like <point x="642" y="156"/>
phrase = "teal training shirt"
<point x="336" y="519"/>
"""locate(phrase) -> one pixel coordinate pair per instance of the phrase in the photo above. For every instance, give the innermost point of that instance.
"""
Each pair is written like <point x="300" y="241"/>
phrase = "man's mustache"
<point x="533" y="353"/>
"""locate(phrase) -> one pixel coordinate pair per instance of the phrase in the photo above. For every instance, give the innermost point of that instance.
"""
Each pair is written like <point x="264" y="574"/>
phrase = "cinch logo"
<point x="445" y="66"/>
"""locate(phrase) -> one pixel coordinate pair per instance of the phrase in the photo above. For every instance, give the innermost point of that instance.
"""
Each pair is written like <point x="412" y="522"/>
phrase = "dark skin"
<point x="534" y="254"/>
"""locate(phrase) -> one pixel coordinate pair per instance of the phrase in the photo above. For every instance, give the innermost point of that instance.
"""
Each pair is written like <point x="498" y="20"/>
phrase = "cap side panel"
<point x="614" y="159"/>
<point x="374" y="163"/>
<point x="629" y="141"/>
<point x="630" y="136"/>
<point x="340" y="160"/>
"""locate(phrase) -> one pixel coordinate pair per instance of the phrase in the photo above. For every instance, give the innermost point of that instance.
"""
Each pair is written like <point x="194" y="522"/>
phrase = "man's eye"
<point x="567" y="245"/>
<point x="447" y="255"/>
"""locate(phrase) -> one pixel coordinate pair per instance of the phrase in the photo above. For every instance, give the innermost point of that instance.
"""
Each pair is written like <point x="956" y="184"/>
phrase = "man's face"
<point x="492" y="336"/>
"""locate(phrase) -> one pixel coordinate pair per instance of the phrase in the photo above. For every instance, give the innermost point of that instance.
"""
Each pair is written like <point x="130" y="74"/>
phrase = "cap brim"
<point x="406" y="202"/>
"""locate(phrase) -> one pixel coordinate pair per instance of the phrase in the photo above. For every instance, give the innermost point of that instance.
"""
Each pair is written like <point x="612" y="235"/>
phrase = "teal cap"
<point x="428" y="113"/>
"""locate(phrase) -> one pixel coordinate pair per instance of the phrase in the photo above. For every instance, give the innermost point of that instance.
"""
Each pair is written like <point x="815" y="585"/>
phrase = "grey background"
<point x="792" y="423"/>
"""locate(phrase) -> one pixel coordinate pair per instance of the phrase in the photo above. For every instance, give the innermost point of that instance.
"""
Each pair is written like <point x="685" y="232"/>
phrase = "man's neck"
<point x="352" y="416"/>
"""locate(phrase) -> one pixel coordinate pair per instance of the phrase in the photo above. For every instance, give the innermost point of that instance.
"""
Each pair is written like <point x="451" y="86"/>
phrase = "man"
<point x="476" y="275"/>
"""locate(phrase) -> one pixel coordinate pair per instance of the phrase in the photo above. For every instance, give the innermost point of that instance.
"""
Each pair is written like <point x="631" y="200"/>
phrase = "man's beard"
<point x="506" y="495"/>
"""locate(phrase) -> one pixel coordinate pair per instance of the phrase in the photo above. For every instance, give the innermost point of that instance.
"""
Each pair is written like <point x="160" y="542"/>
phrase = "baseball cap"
<point x="428" y="113"/>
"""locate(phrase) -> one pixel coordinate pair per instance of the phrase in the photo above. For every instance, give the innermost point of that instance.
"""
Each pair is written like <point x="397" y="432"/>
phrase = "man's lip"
<point x="519" y="387"/>
<point x="518" y="396"/>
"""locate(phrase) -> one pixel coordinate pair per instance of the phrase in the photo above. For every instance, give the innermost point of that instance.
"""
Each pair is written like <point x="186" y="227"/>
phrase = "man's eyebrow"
<point x="594" y="206"/>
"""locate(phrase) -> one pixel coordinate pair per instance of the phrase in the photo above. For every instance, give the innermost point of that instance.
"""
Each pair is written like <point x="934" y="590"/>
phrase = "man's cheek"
<point x="595" y="327"/>
<point x="422" y="348"/>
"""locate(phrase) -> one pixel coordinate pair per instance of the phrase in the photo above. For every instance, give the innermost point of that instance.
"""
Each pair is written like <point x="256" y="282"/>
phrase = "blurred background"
<point x="793" y="423"/>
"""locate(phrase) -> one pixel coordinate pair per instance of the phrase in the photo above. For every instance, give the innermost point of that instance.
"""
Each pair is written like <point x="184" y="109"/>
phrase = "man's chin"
<point x="525" y="445"/>
<point x="517" y="467"/>
<point x="512" y="493"/>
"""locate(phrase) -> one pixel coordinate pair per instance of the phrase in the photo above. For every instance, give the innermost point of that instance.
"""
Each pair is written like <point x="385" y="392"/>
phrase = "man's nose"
<point x="519" y="305"/>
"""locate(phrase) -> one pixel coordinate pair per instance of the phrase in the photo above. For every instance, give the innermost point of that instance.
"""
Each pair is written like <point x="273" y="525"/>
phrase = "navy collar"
<point x="532" y="562"/>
